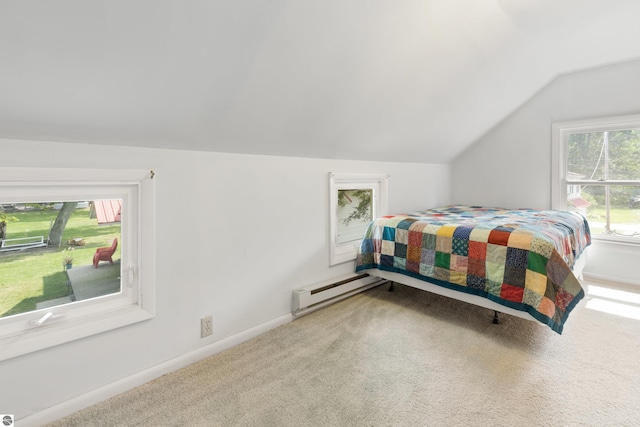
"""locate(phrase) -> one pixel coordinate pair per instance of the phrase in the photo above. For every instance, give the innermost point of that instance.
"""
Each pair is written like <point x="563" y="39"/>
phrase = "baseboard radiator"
<point x="316" y="296"/>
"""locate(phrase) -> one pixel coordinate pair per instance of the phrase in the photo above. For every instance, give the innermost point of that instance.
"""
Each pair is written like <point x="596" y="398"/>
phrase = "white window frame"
<point x="21" y="334"/>
<point x="343" y="252"/>
<point x="559" y="177"/>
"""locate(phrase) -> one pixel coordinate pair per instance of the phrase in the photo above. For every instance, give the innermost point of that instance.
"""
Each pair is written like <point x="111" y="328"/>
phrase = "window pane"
<point x="624" y="154"/>
<point x="47" y="253"/>
<point x="610" y="210"/>
<point x="355" y="212"/>
<point x="585" y="158"/>
<point x="604" y="155"/>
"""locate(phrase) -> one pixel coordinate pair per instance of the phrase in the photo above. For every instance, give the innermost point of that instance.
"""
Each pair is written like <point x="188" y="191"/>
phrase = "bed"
<point x="521" y="262"/>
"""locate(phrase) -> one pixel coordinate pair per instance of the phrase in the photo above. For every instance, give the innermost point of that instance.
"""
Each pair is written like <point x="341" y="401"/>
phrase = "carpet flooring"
<point x="403" y="358"/>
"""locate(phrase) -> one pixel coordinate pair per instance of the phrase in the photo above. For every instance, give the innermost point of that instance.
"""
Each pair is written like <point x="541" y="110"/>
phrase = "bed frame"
<point x="457" y="295"/>
<point x="463" y="296"/>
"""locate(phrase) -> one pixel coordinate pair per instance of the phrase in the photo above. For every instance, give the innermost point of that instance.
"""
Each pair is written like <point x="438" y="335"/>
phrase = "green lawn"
<point x="623" y="215"/>
<point x="36" y="275"/>
<point x="625" y="220"/>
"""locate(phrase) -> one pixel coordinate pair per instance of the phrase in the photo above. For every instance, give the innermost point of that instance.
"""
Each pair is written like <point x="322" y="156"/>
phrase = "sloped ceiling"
<point x="404" y="80"/>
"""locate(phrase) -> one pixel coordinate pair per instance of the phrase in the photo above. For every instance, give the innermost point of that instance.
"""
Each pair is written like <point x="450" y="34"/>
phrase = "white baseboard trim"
<point x="98" y="395"/>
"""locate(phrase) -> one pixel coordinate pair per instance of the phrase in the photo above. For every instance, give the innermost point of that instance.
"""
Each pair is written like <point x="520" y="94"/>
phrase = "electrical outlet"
<point x="206" y="326"/>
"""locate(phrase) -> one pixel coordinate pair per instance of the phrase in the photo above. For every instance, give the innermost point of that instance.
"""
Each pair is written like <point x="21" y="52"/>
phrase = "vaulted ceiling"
<point x="404" y="80"/>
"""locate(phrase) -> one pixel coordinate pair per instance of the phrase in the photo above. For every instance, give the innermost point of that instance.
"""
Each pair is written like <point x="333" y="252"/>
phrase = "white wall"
<point x="235" y="234"/>
<point x="511" y="165"/>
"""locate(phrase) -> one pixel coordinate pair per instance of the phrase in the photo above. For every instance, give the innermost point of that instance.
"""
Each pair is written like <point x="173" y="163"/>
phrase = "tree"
<point x="363" y="210"/>
<point x="587" y="158"/>
<point x="4" y="218"/>
<point x="55" y="235"/>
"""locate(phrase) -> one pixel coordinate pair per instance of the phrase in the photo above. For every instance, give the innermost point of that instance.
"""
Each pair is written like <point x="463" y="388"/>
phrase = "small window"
<point x="597" y="173"/>
<point x="355" y="212"/>
<point x="76" y="254"/>
<point x="355" y="200"/>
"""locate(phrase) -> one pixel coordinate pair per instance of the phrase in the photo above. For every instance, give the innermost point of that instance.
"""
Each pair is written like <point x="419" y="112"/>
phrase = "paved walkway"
<point x="89" y="282"/>
<point x="53" y="302"/>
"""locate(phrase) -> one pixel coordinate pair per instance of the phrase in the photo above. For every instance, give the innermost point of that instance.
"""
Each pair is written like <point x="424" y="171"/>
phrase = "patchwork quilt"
<point x="521" y="258"/>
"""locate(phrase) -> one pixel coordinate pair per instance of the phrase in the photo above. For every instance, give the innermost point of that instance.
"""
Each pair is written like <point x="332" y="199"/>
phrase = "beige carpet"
<point x="406" y="358"/>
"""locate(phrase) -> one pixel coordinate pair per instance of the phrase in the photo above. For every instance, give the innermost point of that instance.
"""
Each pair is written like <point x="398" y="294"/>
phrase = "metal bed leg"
<point x="391" y="287"/>
<point x="496" y="319"/>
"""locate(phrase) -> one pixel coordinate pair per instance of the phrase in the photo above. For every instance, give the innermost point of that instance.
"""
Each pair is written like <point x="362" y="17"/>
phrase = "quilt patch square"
<point x="517" y="257"/>
<point x="431" y="229"/>
<point x="531" y="298"/>
<point x="414" y="253"/>
<point x="443" y="260"/>
<point x="413" y="266"/>
<point x="386" y="260"/>
<point x="515" y="276"/>
<point x="459" y="246"/>
<point x="541" y="246"/>
<point x="442" y="274"/>
<point x="477" y="250"/>
<point x="499" y="237"/>
<point x="462" y="232"/>
<point x="427" y="270"/>
<point x="366" y="246"/>
<point x="493" y="287"/>
<point x="555" y="269"/>
<point x="546" y="307"/>
<point x="537" y="263"/>
<point x="572" y="285"/>
<point x="402" y="236"/>
<point x="429" y="241"/>
<point x="495" y="272"/>
<point x="476" y="267"/>
<point x="446" y="231"/>
<point x="443" y="244"/>
<point x="369" y="233"/>
<point x="496" y="254"/>
<point x="480" y="234"/>
<point x="377" y="245"/>
<point x="459" y="263"/>
<point x="476" y="282"/>
<point x="536" y="282"/>
<point x="415" y="238"/>
<point x="550" y="290"/>
<point x="428" y="256"/>
<point x="405" y="224"/>
<point x="418" y="227"/>
<point x="511" y="293"/>
<point x="563" y="299"/>
<point x="520" y="239"/>
<point x="457" y="277"/>
<point x="365" y="259"/>
<point x="389" y="233"/>
<point x="388" y="248"/>
<point x="400" y="250"/>
<point x="399" y="262"/>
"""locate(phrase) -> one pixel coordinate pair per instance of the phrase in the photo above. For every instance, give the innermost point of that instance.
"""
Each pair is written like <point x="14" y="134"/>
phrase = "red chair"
<point x="105" y="254"/>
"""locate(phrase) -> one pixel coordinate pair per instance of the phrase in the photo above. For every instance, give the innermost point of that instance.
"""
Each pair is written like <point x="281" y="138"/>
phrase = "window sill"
<point x="618" y="240"/>
<point x="66" y="330"/>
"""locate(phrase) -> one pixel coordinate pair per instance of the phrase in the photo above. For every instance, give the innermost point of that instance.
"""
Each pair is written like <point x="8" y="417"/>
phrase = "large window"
<point x="76" y="254"/>
<point x="50" y="237"/>
<point x="355" y="200"/>
<point x="597" y="173"/>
